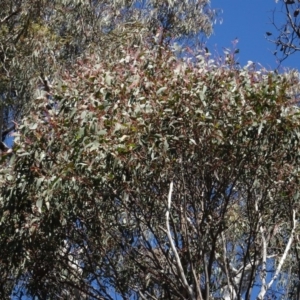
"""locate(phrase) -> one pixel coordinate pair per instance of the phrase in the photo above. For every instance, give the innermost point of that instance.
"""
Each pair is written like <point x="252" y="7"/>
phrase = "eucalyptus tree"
<point x="38" y="38"/>
<point x="156" y="178"/>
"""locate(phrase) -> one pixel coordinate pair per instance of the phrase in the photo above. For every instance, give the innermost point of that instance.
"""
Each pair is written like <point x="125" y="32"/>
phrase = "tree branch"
<point x="231" y="288"/>
<point x="7" y="131"/>
<point x="263" y="273"/>
<point x="9" y="16"/>
<point x="282" y="260"/>
<point x="177" y="258"/>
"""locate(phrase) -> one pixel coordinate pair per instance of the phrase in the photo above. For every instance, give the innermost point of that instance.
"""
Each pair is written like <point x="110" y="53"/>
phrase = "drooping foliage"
<point x="85" y="196"/>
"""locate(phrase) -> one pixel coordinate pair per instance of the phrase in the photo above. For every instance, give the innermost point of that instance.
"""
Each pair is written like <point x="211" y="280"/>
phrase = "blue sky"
<point x="249" y="20"/>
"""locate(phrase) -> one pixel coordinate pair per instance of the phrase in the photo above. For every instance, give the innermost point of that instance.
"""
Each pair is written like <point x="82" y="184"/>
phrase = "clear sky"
<point x="248" y="21"/>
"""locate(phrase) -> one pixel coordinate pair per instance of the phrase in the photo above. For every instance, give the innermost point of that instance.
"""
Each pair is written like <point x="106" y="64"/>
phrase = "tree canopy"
<point x="38" y="38"/>
<point x="86" y="205"/>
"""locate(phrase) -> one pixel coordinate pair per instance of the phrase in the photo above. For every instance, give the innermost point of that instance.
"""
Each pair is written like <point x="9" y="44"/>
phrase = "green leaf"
<point x="33" y="126"/>
<point x="39" y="204"/>
<point x="161" y="90"/>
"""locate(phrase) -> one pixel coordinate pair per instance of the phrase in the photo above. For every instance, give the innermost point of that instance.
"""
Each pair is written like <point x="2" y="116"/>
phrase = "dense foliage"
<point x="84" y="199"/>
<point x="39" y="38"/>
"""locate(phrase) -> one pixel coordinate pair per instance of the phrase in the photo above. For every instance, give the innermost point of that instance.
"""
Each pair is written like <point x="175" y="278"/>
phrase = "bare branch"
<point x="288" y="32"/>
<point x="177" y="258"/>
<point x="263" y="273"/>
<point x="282" y="260"/>
<point x="10" y="16"/>
<point x="231" y="288"/>
<point x="7" y="131"/>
